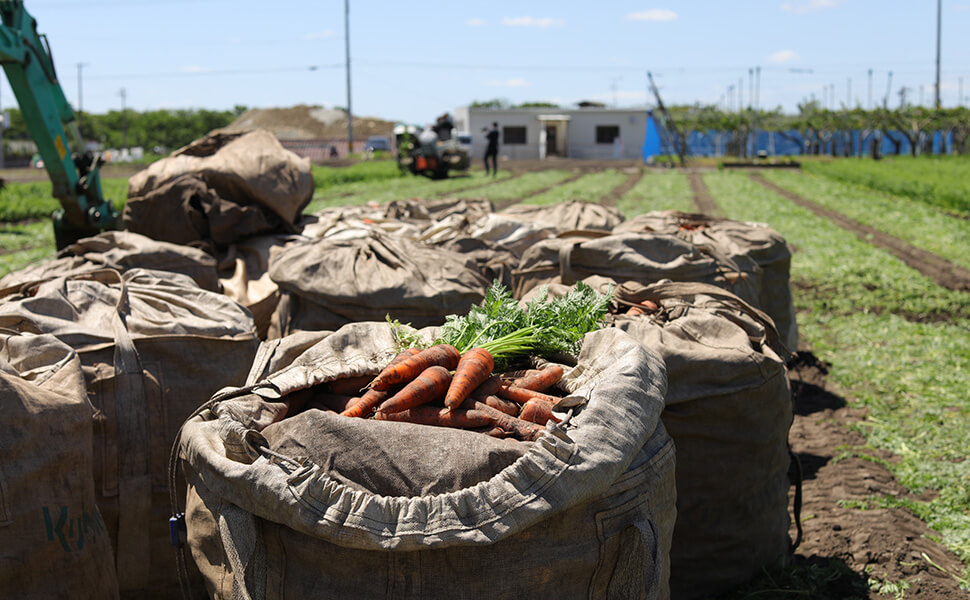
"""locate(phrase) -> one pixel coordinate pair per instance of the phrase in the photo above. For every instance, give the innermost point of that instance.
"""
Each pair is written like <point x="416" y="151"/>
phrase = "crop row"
<point x="897" y="342"/>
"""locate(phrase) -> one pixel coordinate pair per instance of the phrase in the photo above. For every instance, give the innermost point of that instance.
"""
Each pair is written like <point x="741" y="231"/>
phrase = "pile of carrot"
<point x="440" y="386"/>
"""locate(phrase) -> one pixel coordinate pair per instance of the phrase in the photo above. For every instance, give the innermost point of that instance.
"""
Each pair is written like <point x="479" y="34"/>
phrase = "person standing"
<point x="491" y="150"/>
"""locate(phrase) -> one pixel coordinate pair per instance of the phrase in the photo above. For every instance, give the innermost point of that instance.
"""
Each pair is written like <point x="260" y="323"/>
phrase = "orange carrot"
<point x="509" y="408"/>
<point x="636" y="310"/>
<point x="649" y="305"/>
<point x="443" y="355"/>
<point x="350" y="386"/>
<point x="479" y="416"/>
<point x="473" y="369"/>
<point x="537" y="411"/>
<point x="365" y="405"/>
<point x="487" y="388"/>
<point x="441" y="417"/>
<point x="541" y="380"/>
<point x="430" y="385"/>
<point x="521" y="396"/>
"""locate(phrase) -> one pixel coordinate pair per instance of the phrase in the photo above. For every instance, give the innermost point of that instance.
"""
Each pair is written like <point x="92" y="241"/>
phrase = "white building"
<point x="538" y="133"/>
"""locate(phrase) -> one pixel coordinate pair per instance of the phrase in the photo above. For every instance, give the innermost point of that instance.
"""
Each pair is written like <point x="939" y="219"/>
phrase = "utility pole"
<point x="848" y="93"/>
<point x="350" y="117"/>
<point x="757" y="87"/>
<point x="80" y="104"/>
<point x="889" y="88"/>
<point x="124" y="121"/>
<point x="939" y="27"/>
<point x="870" y="90"/>
<point x="750" y="87"/>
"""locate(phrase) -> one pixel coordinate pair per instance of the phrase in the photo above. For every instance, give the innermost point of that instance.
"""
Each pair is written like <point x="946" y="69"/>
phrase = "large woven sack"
<point x="121" y="250"/>
<point x="638" y="257"/>
<point x="53" y="541"/>
<point x="735" y="239"/>
<point x="154" y="346"/>
<point x="569" y="215"/>
<point x="331" y="282"/>
<point x="316" y="505"/>
<point x="729" y="410"/>
<point x="511" y="232"/>
<point x="246" y="168"/>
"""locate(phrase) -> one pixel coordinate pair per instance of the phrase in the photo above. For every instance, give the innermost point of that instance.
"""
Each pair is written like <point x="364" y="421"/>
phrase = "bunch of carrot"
<point x="440" y="386"/>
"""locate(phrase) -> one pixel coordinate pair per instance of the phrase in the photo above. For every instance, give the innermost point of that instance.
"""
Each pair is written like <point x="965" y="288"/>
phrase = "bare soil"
<point x="703" y="200"/>
<point x="883" y="544"/>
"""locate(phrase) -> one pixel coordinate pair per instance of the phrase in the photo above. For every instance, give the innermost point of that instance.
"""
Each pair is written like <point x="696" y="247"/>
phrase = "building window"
<point x="605" y="134"/>
<point x="513" y="135"/>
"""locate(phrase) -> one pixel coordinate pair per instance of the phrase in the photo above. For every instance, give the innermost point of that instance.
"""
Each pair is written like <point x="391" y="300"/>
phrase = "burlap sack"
<point x="735" y="239"/>
<point x="53" y="541"/>
<point x="638" y="257"/>
<point x="154" y="346"/>
<point x="321" y="506"/>
<point x="331" y="282"/>
<point x="121" y="250"/>
<point x="511" y="232"/>
<point x="569" y="215"/>
<point x="246" y="168"/>
<point x="729" y="410"/>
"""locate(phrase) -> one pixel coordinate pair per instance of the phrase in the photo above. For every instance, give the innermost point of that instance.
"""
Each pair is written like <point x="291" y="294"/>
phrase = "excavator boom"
<point x="74" y="172"/>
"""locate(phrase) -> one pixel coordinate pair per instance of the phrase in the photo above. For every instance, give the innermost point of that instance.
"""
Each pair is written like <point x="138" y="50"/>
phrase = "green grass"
<point x="918" y="223"/>
<point x="939" y="181"/>
<point x="588" y="188"/>
<point x="400" y="187"/>
<point x="372" y="170"/>
<point x="893" y="347"/>
<point x="657" y="190"/>
<point x="33" y="200"/>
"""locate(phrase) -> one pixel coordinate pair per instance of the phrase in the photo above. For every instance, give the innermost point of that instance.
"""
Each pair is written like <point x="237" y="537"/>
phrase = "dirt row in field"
<point x="883" y="544"/>
<point x="886" y="545"/>
<point x="613" y="196"/>
<point x="937" y="268"/>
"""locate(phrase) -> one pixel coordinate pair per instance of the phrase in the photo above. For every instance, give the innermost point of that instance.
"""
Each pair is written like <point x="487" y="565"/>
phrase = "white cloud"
<point x="476" y="22"/>
<point x="800" y="7"/>
<point x="654" y="14"/>
<point x="319" y="35"/>
<point x="515" y="82"/>
<point x="783" y="56"/>
<point x="540" y="22"/>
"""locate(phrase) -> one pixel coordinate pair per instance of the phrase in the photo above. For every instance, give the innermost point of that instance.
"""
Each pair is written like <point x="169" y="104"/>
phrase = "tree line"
<point x="819" y="130"/>
<point x="167" y="129"/>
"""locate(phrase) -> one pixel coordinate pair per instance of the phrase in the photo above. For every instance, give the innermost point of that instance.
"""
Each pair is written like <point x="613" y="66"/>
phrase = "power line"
<point x="207" y="73"/>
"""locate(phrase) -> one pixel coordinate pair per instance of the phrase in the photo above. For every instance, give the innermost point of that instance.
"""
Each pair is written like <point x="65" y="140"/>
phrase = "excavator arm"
<point x="74" y="172"/>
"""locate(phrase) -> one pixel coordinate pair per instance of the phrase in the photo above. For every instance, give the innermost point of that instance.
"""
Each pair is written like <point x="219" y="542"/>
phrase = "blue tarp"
<point x="789" y="143"/>
<point x="651" y="141"/>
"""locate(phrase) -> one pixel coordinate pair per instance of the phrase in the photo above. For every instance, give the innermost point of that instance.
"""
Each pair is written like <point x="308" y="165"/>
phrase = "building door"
<point x="551" y="147"/>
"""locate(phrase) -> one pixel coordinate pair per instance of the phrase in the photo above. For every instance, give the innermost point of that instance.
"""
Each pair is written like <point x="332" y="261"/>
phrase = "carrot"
<point x="521" y="396"/>
<point x="537" y="411"/>
<point x="541" y="380"/>
<point x="636" y="310"/>
<point x="365" y="405"/>
<point x="350" y="386"/>
<point x="442" y="417"/>
<point x="480" y="416"/>
<point x="487" y="388"/>
<point x="473" y="369"/>
<point x="509" y="408"/>
<point x="430" y="385"/>
<point x="444" y="355"/>
<point x="649" y="305"/>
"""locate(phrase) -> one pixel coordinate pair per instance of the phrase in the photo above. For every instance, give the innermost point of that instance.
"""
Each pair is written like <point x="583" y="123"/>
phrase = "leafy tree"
<point x="494" y="103"/>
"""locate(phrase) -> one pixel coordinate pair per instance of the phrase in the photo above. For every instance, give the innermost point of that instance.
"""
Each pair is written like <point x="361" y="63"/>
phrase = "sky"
<point x="412" y="61"/>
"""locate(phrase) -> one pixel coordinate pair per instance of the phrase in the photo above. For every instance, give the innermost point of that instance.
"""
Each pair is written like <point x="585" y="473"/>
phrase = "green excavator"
<point x="74" y="171"/>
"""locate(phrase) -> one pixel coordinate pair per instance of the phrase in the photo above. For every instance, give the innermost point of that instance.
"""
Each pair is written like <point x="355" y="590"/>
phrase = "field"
<point x="881" y="280"/>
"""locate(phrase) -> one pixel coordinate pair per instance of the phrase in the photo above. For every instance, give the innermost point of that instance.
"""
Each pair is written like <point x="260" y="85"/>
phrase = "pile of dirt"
<point x="304" y="122"/>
